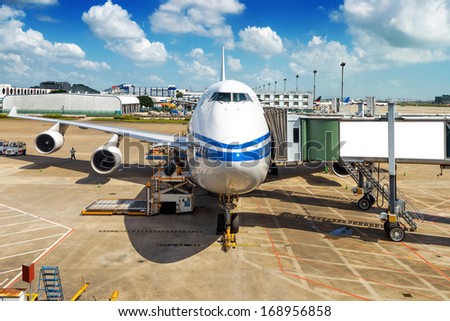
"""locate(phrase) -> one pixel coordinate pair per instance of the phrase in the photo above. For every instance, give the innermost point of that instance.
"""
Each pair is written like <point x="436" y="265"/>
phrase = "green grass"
<point x="420" y="104"/>
<point x="135" y="119"/>
<point x="54" y="116"/>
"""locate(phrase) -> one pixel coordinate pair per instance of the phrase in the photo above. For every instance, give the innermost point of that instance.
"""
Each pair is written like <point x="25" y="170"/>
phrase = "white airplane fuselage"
<point x="229" y="140"/>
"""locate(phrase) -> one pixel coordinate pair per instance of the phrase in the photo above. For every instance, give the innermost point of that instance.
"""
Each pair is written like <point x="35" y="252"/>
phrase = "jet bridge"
<point x="305" y="138"/>
<point x="353" y="144"/>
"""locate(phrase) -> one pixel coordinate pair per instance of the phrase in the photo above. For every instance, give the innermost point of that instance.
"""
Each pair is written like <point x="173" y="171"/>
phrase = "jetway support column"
<point x="396" y="207"/>
<point x="391" y="158"/>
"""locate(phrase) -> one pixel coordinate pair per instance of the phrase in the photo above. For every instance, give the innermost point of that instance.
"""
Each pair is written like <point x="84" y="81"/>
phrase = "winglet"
<point x="222" y="76"/>
<point x="13" y="112"/>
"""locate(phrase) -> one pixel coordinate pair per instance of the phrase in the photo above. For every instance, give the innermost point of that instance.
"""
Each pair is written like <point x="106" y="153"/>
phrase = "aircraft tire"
<point x="220" y="224"/>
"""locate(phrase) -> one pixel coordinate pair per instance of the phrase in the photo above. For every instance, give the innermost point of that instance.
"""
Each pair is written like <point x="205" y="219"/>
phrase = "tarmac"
<point x="285" y="250"/>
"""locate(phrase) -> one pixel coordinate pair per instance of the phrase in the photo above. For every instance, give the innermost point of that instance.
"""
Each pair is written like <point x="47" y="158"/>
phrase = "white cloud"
<point x="155" y="80"/>
<point x="234" y="64"/>
<point x="266" y="76"/>
<point x="12" y="63"/>
<point x="94" y="65"/>
<point x="401" y="31"/>
<point x="200" y="17"/>
<point x="7" y="13"/>
<point x="197" y="53"/>
<point x="45" y="18"/>
<point x="385" y="33"/>
<point x="262" y="41"/>
<point x="323" y="54"/>
<point x="122" y="35"/>
<point x="199" y="68"/>
<point x="26" y="52"/>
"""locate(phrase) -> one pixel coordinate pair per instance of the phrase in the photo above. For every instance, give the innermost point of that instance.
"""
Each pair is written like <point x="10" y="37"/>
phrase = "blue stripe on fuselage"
<point x="235" y="156"/>
<point x="213" y="142"/>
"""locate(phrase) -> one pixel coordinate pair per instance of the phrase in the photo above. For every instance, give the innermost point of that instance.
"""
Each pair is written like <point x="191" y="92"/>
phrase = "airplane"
<point x="381" y="103"/>
<point x="228" y="146"/>
<point x="319" y="102"/>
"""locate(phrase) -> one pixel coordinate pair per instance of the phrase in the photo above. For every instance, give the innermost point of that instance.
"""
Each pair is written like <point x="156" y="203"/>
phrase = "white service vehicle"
<point x="16" y="148"/>
<point x="3" y="146"/>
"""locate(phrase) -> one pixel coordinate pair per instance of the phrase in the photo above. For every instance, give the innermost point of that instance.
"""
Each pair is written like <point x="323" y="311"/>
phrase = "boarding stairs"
<point x="381" y="183"/>
<point x="50" y="283"/>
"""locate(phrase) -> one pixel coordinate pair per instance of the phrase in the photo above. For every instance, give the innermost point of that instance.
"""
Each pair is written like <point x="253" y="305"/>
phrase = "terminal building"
<point x="72" y="104"/>
<point x="444" y="99"/>
<point x="127" y="89"/>
<point x="6" y="89"/>
<point x="290" y="100"/>
<point x="55" y="85"/>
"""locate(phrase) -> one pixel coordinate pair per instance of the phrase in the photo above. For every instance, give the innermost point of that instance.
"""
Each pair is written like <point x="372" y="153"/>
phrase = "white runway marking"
<point x="35" y="235"/>
<point x="31" y="240"/>
<point x="14" y="216"/>
<point x="26" y="231"/>
<point x="21" y="254"/>
<point x="21" y="223"/>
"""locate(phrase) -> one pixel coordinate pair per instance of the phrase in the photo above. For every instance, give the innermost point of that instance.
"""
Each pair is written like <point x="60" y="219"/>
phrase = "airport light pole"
<point x="296" y="83"/>
<point x="275" y="86"/>
<point x="342" y="81"/>
<point x="268" y="88"/>
<point x="284" y="84"/>
<point x="314" y="90"/>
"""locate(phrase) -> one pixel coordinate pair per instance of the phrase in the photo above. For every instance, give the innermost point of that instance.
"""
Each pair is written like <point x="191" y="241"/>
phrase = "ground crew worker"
<point x="72" y="154"/>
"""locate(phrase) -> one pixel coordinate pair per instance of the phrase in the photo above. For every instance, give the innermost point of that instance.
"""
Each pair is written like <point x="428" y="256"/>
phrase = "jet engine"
<point x="108" y="157"/>
<point x="51" y="140"/>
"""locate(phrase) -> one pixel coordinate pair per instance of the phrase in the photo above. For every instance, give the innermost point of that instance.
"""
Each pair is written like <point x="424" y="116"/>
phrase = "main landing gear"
<point x="228" y="223"/>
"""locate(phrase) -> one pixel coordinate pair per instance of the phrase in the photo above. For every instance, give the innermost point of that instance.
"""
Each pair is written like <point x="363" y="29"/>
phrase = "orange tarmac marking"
<point x="434" y="267"/>
<point x="308" y="280"/>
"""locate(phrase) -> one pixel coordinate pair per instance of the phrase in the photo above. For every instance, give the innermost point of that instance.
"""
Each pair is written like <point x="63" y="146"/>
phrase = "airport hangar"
<point x="72" y="104"/>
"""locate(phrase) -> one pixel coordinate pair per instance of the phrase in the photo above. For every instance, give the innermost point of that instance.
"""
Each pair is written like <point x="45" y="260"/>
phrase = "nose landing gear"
<point x="228" y="223"/>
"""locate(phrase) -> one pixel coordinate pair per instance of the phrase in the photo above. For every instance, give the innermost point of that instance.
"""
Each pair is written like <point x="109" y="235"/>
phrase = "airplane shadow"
<point x="133" y="173"/>
<point x="172" y="238"/>
<point x="309" y="172"/>
<point x="168" y="238"/>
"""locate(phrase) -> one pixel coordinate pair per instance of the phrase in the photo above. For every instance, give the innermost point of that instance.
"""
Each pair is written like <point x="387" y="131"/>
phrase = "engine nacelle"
<point x="106" y="159"/>
<point x="49" y="142"/>
<point x="339" y="170"/>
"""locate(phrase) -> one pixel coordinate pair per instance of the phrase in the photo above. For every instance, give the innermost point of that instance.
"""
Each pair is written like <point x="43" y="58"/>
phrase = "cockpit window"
<point x="241" y="97"/>
<point x="227" y="97"/>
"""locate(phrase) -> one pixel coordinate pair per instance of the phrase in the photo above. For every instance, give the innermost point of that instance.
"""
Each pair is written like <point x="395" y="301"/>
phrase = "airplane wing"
<point x="107" y="157"/>
<point x="175" y="140"/>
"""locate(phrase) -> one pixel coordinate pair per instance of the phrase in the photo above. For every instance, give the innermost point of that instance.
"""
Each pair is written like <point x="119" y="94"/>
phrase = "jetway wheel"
<point x="364" y="203"/>
<point x="396" y="233"/>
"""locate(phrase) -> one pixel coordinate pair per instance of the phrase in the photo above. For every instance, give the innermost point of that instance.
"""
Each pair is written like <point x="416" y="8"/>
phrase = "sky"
<point x="392" y="49"/>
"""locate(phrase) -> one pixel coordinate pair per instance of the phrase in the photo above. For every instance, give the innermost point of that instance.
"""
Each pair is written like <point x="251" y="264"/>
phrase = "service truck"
<point x="16" y="148"/>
